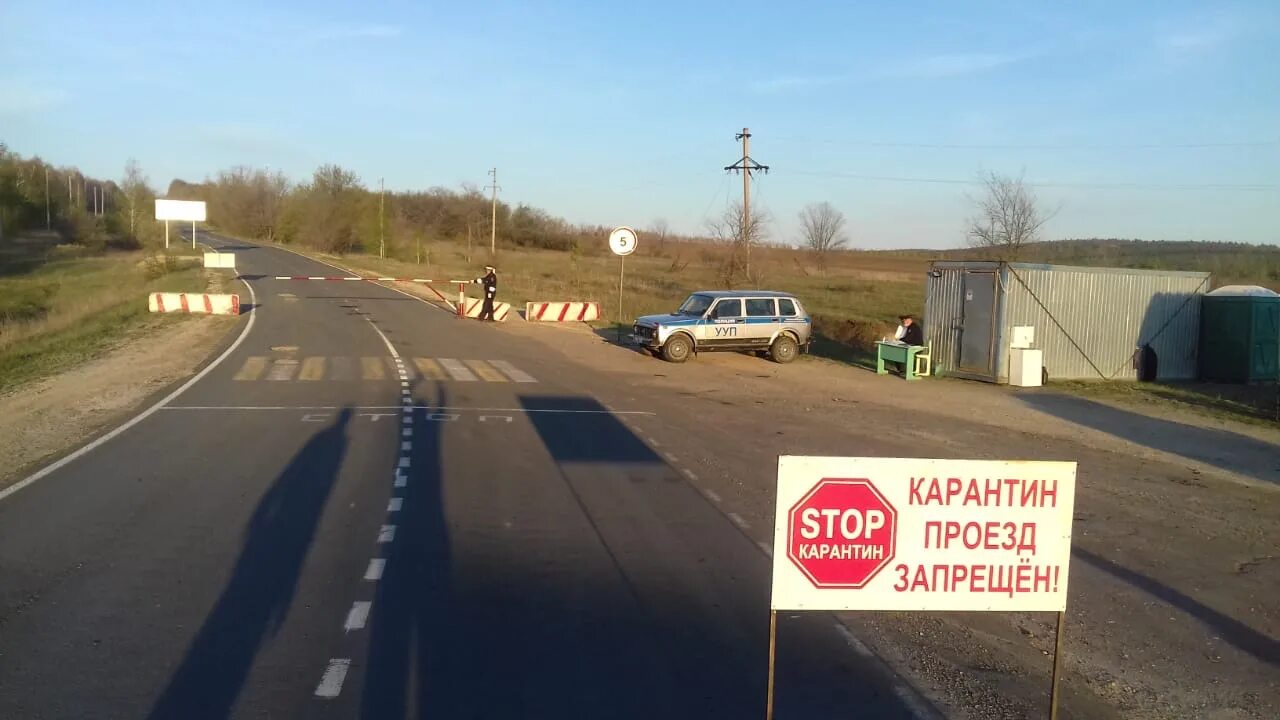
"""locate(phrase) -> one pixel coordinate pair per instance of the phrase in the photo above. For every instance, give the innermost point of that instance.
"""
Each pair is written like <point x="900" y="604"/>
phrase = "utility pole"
<point x="746" y="166"/>
<point x="493" y="218"/>
<point x="382" y="210"/>
<point x="48" y="217"/>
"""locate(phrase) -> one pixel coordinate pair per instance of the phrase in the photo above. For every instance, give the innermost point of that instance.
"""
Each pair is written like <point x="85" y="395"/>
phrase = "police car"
<point x="728" y="320"/>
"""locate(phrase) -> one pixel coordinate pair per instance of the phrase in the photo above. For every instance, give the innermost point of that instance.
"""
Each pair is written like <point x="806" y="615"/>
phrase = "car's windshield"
<point x="696" y="305"/>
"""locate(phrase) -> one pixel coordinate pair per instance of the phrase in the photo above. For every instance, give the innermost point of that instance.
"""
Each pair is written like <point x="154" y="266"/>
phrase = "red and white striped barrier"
<point x="352" y="277"/>
<point x="500" y="309"/>
<point x="421" y="281"/>
<point x="194" y="303"/>
<point x="562" y="311"/>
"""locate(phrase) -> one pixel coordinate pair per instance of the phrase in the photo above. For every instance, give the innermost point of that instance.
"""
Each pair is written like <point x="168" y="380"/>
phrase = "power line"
<point x="723" y="188"/>
<point x="1044" y="146"/>
<point x="1244" y="187"/>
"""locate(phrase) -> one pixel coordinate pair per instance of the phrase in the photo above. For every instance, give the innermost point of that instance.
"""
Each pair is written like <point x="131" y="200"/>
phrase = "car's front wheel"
<point x="677" y="348"/>
<point x="784" y="349"/>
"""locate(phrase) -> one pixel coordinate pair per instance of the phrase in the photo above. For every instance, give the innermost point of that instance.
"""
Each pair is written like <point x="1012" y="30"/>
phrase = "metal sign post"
<point x="773" y="647"/>
<point x="1057" y="665"/>
<point x="622" y="241"/>
<point x="192" y="210"/>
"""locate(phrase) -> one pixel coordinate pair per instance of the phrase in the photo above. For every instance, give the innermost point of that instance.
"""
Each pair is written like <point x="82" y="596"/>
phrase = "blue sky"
<point x="1131" y="116"/>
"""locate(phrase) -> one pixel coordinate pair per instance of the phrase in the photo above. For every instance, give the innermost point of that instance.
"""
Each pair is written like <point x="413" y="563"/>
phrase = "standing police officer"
<point x="490" y="282"/>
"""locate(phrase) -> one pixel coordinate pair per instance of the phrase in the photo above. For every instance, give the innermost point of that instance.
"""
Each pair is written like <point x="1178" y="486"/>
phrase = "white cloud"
<point x="784" y="83"/>
<point x="331" y="33"/>
<point x="1194" y="40"/>
<point x="928" y="67"/>
<point x="950" y="65"/>
<point x="26" y="98"/>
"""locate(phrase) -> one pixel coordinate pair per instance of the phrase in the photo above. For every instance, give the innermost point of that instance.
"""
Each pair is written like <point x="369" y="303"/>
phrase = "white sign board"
<point x="910" y="534"/>
<point x="622" y="241"/>
<point x="220" y="260"/>
<point x="188" y="210"/>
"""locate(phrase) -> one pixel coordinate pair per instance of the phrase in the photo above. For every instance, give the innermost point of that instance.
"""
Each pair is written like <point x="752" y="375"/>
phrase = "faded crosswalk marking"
<point x="282" y="370"/>
<point x="372" y="368"/>
<point x="457" y="370"/>
<point x="252" y="368"/>
<point x="317" y="368"/>
<point x="312" y="369"/>
<point x="513" y="372"/>
<point x="485" y="371"/>
<point x="429" y="368"/>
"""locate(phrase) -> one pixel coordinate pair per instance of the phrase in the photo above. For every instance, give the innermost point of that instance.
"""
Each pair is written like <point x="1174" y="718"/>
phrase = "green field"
<point x="61" y="306"/>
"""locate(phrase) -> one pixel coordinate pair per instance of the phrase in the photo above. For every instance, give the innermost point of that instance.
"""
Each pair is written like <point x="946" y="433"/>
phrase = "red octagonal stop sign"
<point x="841" y="533"/>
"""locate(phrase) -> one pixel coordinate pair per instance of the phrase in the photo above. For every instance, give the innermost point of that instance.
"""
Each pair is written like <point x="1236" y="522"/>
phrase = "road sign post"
<point x="922" y="535"/>
<point x="622" y="241"/>
<point x="191" y="210"/>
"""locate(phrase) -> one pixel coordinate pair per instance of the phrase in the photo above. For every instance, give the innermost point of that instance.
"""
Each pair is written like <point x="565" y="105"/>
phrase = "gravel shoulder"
<point x="50" y="417"/>
<point x="1173" y="610"/>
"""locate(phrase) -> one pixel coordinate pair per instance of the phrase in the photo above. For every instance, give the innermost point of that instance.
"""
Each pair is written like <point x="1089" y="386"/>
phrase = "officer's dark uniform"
<point x="490" y="282"/>
<point x="914" y="335"/>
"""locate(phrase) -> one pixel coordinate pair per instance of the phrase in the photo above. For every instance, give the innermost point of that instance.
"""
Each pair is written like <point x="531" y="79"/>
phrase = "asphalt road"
<point x="303" y="534"/>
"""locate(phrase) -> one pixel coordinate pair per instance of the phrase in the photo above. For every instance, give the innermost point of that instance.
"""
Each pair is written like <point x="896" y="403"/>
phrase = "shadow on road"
<point x="256" y="599"/>
<point x="584" y="578"/>
<point x="1228" y="628"/>
<point x="1220" y="448"/>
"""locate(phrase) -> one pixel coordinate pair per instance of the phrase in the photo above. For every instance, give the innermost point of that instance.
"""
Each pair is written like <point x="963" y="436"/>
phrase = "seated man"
<point x="909" y="331"/>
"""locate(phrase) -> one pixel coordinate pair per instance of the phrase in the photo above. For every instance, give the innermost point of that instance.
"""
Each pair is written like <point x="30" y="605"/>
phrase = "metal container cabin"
<point x="1090" y="323"/>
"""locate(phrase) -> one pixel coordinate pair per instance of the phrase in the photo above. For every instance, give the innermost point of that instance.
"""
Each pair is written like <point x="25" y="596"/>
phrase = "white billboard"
<point x="912" y="534"/>
<point x="188" y="210"/>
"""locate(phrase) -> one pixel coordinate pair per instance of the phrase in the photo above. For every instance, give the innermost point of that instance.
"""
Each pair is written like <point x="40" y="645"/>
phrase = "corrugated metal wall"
<point x="1088" y="321"/>
<point x="944" y="291"/>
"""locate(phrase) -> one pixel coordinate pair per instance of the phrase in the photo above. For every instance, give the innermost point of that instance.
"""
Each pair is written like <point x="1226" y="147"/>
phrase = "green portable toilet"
<point x="1240" y="335"/>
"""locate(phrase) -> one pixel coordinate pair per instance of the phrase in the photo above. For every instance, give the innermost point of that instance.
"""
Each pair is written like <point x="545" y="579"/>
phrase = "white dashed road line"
<point x="375" y="570"/>
<point x="737" y="520"/>
<point x="394" y="504"/>
<point x="357" y="616"/>
<point x="387" y="534"/>
<point x="711" y="495"/>
<point x="331" y="684"/>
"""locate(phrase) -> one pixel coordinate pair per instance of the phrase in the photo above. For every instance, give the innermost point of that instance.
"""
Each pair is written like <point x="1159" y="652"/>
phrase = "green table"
<point x="899" y="353"/>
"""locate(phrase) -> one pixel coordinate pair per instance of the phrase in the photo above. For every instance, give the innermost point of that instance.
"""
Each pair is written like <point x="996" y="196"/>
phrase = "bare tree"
<point x="659" y="230"/>
<point x="740" y="237"/>
<point x="1009" y="216"/>
<point x="136" y="193"/>
<point x="823" y="229"/>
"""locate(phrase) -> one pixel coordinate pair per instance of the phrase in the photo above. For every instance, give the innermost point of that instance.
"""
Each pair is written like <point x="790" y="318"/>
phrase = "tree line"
<point x="96" y="212"/>
<point x="335" y="211"/>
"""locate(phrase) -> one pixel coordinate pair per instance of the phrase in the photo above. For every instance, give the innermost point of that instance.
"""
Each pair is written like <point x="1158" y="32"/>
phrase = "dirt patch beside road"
<point x="47" y="418"/>
<point x="1173" y="610"/>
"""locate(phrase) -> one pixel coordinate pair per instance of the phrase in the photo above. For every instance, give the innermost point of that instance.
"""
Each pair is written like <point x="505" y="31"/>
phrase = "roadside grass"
<point x="854" y="303"/>
<point x="60" y="306"/>
<point x="1251" y="404"/>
